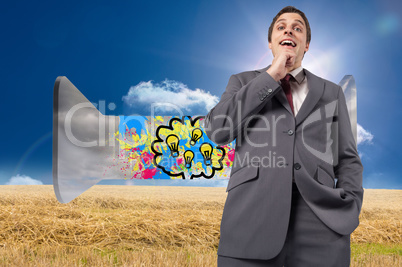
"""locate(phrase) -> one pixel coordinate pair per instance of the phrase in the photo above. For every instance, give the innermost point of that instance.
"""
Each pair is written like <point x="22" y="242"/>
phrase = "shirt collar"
<point x="298" y="74"/>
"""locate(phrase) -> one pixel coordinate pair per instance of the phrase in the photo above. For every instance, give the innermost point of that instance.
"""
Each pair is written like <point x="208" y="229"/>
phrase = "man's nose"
<point x="289" y="31"/>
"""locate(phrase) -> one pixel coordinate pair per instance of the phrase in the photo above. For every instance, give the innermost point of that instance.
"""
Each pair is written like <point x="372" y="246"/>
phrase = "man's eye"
<point x="298" y="29"/>
<point x="281" y="28"/>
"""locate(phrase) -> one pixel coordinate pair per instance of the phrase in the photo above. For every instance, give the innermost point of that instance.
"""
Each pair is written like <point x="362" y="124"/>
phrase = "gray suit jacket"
<point x="272" y="147"/>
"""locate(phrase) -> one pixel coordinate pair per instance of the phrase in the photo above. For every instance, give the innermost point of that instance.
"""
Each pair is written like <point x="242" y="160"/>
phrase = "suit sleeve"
<point x="237" y="104"/>
<point x="349" y="169"/>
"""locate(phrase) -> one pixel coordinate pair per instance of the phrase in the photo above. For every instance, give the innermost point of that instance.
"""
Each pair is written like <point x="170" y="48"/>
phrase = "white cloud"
<point x="23" y="180"/>
<point x="174" y="94"/>
<point x="363" y="136"/>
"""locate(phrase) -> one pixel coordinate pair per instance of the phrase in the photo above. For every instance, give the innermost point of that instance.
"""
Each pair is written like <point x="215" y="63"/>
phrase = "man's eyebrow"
<point x="301" y="22"/>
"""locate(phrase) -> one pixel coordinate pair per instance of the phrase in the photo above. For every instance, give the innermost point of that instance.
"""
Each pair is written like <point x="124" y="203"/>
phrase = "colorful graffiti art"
<point x="179" y="148"/>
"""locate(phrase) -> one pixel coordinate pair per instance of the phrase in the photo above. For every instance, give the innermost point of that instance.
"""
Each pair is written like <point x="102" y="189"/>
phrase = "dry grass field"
<point x="155" y="226"/>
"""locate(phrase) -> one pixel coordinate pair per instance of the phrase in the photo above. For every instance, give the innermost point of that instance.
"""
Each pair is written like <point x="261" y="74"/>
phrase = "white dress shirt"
<point x="299" y="88"/>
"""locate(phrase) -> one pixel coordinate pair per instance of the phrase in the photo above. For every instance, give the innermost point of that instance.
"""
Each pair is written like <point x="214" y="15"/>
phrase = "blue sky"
<point x="105" y="48"/>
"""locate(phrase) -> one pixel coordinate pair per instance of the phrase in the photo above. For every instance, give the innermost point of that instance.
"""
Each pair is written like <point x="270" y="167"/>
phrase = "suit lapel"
<point x="316" y="89"/>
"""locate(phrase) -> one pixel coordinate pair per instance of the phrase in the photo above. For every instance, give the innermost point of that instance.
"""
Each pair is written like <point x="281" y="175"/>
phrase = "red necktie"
<point x="286" y="87"/>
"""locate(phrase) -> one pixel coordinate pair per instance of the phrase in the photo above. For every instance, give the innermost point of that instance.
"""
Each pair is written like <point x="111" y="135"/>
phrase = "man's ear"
<point x="307" y="47"/>
<point x="270" y="45"/>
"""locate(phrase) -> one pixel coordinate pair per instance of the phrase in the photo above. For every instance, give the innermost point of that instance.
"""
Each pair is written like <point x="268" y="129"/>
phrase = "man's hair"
<point x="290" y="9"/>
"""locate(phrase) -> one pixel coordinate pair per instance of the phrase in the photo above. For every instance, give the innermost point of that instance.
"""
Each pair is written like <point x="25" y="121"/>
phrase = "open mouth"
<point x="287" y="43"/>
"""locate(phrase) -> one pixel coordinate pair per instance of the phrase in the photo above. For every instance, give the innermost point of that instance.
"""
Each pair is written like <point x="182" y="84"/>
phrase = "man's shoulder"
<point x="327" y="83"/>
<point x="330" y="88"/>
<point x="245" y="76"/>
<point x="255" y="72"/>
<point x="248" y="73"/>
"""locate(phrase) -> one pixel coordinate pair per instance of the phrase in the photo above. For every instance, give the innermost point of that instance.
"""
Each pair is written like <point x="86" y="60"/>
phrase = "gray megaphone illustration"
<point x="89" y="147"/>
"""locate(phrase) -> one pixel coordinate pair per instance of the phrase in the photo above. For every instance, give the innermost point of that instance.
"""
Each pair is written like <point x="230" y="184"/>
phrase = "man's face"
<point x="289" y="33"/>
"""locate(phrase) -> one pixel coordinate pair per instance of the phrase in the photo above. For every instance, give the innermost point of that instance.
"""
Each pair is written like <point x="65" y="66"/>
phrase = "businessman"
<point x="293" y="141"/>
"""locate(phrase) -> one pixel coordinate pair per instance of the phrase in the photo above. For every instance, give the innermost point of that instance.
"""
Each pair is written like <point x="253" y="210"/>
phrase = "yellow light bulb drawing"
<point x="196" y="134"/>
<point x="188" y="157"/>
<point x="173" y="143"/>
<point x="206" y="151"/>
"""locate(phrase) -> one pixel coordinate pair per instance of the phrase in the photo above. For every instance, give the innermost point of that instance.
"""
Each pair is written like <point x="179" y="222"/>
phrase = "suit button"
<point x="269" y="90"/>
<point x="297" y="166"/>
<point x="264" y="95"/>
<point x="290" y="132"/>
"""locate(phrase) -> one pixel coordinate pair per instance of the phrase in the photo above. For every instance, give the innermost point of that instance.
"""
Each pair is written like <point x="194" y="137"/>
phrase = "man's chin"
<point x="288" y="48"/>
